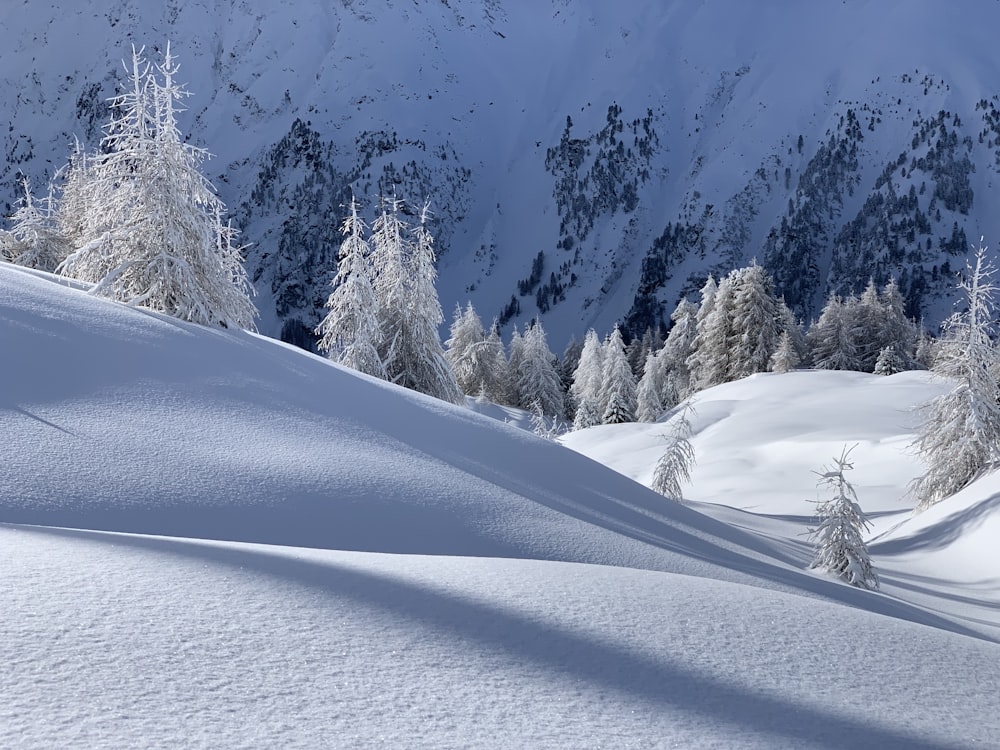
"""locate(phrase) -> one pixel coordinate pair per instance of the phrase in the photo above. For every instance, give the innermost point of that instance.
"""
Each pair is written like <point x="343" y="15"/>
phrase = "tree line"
<point x="139" y="221"/>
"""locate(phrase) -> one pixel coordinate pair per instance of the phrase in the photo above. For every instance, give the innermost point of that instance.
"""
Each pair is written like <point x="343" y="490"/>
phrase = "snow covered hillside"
<point x="209" y="538"/>
<point x="587" y="161"/>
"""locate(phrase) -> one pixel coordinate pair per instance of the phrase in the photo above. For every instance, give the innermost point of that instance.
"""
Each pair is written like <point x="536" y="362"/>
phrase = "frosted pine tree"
<point x="587" y="381"/>
<point x="697" y="360"/>
<point x="840" y="545"/>
<point x="34" y="239"/>
<point x="515" y="352"/>
<point x="676" y="351"/>
<point x="652" y="386"/>
<point x="894" y="327"/>
<point x="755" y="324"/>
<point x="791" y="325"/>
<point x="496" y="380"/>
<point x="428" y="370"/>
<point x="923" y="355"/>
<point x="889" y="362"/>
<point x="785" y="357"/>
<point x="832" y="339"/>
<point x="76" y="211"/>
<point x="566" y="367"/>
<point x="674" y="466"/>
<point x="462" y="349"/>
<point x="391" y="286"/>
<point x="715" y="339"/>
<point x="158" y="238"/>
<point x="618" y="393"/>
<point x="867" y="313"/>
<point x="538" y="382"/>
<point x="959" y="438"/>
<point x="349" y="331"/>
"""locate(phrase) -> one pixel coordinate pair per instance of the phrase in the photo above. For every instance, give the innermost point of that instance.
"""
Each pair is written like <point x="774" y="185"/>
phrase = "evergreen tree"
<point x="674" y="466"/>
<point x="715" y="338"/>
<point x="755" y="324"/>
<point x="785" y="357"/>
<point x="832" y="338"/>
<point x="587" y="413"/>
<point x="791" y="326"/>
<point x="652" y="385"/>
<point x="587" y="382"/>
<point x="156" y="236"/>
<point x="538" y="382"/>
<point x="349" y="331"/>
<point x="34" y="240"/>
<point x="895" y="328"/>
<point x="566" y="367"/>
<point x="676" y="351"/>
<point x="840" y="546"/>
<point x="959" y="437"/>
<point x="492" y="362"/>
<point x="866" y="313"/>
<point x="618" y="392"/>
<point x="427" y="370"/>
<point x="391" y="286"/>
<point x="464" y="347"/>
<point x="515" y="356"/>
<point x="889" y="362"/>
<point x="923" y="356"/>
<point x="697" y="362"/>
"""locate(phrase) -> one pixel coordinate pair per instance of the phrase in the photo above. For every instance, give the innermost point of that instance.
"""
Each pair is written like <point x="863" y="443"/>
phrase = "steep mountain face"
<point x="587" y="162"/>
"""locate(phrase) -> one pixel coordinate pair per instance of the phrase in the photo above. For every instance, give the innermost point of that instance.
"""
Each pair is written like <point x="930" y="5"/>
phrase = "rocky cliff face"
<point x="584" y="162"/>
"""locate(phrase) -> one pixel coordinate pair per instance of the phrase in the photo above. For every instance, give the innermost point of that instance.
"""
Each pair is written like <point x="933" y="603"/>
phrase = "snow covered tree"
<point x="832" y="338"/>
<point x="34" y="240"/>
<point x="866" y="313"/>
<point x="889" y="362"/>
<point x="791" y="325"/>
<point x="156" y="236"/>
<point x="652" y="386"/>
<point x="349" y="331"/>
<point x="477" y="358"/>
<point x="515" y="354"/>
<point x="408" y="309"/>
<point x="566" y="367"/>
<point x="714" y="340"/>
<point x="587" y="381"/>
<point x="923" y="355"/>
<point x="674" y="466"/>
<point x="959" y="437"/>
<point x="544" y="425"/>
<point x="840" y="545"/>
<point x="894" y="327"/>
<point x="465" y="336"/>
<point x="785" y="357"/>
<point x="538" y="382"/>
<point x="673" y="357"/>
<point x="697" y="362"/>
<point x="618" y="389"/>
<point x="755" y="325"/>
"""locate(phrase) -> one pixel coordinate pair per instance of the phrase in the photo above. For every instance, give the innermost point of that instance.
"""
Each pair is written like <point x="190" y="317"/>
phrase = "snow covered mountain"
<point x="587" y="161"/>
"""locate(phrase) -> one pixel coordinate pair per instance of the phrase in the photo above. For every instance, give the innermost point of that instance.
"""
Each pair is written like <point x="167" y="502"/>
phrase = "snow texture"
<point x="211" y="539"/>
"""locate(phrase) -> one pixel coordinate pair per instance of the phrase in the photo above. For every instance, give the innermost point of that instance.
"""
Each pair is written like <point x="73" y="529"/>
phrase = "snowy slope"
<point x="703" y="134"/>
<point x="759" y="441"/>
<point x="112" y="641"/>
<point x="268" y="593"/>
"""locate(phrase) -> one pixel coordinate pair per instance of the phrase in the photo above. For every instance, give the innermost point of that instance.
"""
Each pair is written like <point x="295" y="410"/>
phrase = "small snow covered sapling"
<point x="840" y="548"/>
<point x="674" y="466"/>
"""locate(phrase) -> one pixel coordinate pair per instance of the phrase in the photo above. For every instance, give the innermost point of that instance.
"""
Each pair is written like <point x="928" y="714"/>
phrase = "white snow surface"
<point x="211" y="539"/>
